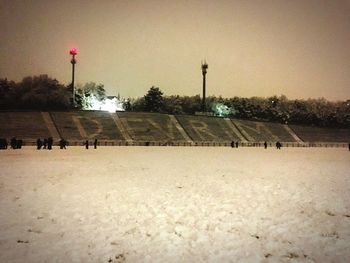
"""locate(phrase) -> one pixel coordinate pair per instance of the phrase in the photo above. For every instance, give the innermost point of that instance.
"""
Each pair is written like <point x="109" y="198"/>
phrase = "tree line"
<point x="44" y="93"/>
<point x="316" y="112"/>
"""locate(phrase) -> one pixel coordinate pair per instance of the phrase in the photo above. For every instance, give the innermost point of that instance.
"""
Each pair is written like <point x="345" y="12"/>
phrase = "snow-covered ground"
<point x="175" y="204"/>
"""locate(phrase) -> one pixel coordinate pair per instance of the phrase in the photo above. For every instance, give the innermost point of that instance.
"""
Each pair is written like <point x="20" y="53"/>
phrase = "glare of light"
<point x="110" y="105"/>
<point x="222" y="110"/>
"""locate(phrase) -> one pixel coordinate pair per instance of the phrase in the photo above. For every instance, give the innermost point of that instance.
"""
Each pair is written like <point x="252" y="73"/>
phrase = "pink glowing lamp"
<point x="73" y="51"/>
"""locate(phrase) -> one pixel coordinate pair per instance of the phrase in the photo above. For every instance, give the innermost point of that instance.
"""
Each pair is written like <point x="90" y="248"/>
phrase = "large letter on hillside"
<point x="82" y="131"/>
<point x="259" y="132"/>
<point x="202" y="131"/>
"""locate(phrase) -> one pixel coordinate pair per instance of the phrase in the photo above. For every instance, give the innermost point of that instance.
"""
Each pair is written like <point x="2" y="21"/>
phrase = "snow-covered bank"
<point x="175" y="204"/>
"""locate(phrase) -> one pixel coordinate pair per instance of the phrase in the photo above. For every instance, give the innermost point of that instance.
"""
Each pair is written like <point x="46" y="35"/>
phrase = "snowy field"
<point x="175" y="204"/>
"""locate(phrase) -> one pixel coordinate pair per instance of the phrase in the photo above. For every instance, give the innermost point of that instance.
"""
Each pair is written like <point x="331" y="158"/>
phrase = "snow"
<point x="175" y="204"/>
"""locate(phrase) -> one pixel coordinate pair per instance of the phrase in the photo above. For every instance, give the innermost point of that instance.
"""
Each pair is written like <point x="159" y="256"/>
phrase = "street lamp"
<point x="204" y="72"/>
<point x="73" y="52"/>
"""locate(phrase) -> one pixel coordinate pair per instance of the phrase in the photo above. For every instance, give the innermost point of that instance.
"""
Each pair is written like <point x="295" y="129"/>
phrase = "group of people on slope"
<point x="278" y="145"/>
<point x="45" y="144"/>
<point x="87" y="144"/>
<point x="14" y="143"/>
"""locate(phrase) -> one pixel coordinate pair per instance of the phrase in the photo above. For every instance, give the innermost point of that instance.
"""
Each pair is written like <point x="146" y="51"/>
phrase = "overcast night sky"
<point x="262" y="48"/>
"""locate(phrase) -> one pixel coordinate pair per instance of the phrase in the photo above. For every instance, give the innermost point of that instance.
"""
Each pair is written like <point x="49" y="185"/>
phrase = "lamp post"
<point x="204" y="72"/>
<point x="73" y="52"/>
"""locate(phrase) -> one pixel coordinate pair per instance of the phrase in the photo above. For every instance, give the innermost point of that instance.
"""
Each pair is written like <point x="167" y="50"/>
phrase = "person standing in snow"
<point x="95" y="144"/>
<point x="39" y="144"/>
<point x="49" y="143"/>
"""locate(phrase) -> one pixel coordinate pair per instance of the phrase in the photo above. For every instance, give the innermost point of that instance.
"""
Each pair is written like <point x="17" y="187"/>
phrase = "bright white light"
<point x="111" y="105"/>
<point x="221" y="110"/>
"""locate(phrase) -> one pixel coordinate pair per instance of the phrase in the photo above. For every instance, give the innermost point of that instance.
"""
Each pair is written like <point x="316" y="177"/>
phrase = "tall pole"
<point x="204" y="72"/>
<point x="73" y="52"/>
<point x="73" y="72"/>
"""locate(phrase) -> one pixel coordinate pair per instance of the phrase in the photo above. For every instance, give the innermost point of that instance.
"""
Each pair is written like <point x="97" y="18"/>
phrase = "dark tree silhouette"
<point x="7" y="89"/>
<point x="154" y="100"/>
<point x="35" y="93"/>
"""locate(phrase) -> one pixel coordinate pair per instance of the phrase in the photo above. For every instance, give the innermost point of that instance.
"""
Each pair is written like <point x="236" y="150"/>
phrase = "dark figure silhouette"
<point x="45" y="143"/>
<point x="232" y="144"/>
<point x="19" y="144"/>
<point x="39" y="144"/>
<point x="86" y="144"/>
<point x="13" y="143"/>
<point x="265" y="145"/>
<point x="236" y="144"/>
<point x="349" y="146"/>
<point x="3" y="143"/>
<point x="62" y="143"/>
<point x="278" y="145"/>
<point x="95" y="144"/>
<point x="49" y="143"/>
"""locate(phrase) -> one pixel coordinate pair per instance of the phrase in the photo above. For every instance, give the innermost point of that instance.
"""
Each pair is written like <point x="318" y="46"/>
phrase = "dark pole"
<point x="73" y="52"/>
<point x="73" y="71"/>
<point x="204" y="72"/>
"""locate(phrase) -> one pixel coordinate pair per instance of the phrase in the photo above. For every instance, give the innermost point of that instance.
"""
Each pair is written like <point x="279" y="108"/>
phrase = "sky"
<point x="258" y="48"/>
